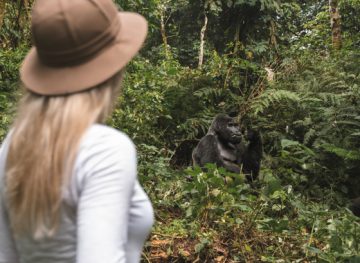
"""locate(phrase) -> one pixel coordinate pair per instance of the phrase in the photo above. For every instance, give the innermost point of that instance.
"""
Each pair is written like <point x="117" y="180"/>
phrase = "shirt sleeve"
<point x="107" y="186"/>
<point x="8" y="252"/>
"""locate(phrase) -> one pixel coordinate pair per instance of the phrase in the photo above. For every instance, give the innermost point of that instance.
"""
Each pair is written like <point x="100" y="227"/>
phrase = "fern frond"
<point x="349" y="123"/>
<point x="331" y="98"/>
<point x="271" y="97"/>
<point x="346" y="154"/>
<point x="194" y="126"/>
<point x="208" y="92"/>
<point x="309" y="135"/>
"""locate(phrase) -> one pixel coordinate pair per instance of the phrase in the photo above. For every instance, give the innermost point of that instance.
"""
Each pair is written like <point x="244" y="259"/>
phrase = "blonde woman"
<point x="68" y="185"/>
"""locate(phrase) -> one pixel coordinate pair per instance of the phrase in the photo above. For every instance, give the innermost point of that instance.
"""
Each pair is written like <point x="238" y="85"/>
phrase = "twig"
<point x="144" y="255"/>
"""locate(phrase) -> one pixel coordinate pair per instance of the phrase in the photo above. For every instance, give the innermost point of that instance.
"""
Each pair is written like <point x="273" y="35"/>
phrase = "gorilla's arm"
<point x="207" y="151"/>
<point x="355" y="206"/>
<point x="253" y="155"/>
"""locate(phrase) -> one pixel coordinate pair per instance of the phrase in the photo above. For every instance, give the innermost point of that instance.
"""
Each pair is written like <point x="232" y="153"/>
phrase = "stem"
<point x="163" y="32"/>
<point x="311" y="237"/>
<point x="237" y="38"/>
<point x="202" y="41"/>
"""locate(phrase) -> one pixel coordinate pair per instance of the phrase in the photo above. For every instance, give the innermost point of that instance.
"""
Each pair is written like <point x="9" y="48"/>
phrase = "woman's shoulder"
<point x="101" y="135"/>
<point x="103" y="146"/>
<point x="105" y="155"/>
<point x="101" y="142"/>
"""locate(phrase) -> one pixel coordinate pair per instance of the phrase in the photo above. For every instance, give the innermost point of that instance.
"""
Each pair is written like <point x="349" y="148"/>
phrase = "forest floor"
<point x="235" y="223"/>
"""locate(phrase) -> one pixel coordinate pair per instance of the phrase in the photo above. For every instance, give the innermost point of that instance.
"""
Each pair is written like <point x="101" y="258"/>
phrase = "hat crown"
<point x="69" y="32"/>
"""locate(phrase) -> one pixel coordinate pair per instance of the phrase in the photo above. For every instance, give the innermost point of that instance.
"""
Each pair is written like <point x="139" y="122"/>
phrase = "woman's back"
<point x="105" y="214"/>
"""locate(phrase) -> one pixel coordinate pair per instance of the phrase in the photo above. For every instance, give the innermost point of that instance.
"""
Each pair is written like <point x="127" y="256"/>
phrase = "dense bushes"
<point x="204" y="218"/>
<point x="317" y="113"/>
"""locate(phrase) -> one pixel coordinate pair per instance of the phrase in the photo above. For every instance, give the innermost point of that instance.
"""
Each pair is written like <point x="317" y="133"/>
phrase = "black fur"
<point x="224" y="146"/>
<point x="253" y="155"/>
<point x="355" y="206"/>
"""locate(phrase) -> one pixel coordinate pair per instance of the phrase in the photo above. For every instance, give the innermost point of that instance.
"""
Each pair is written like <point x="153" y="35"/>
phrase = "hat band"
<point x="81" y="53"/>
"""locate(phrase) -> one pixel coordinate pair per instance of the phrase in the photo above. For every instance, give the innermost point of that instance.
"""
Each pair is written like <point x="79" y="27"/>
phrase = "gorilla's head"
<point x="226" y="129"/>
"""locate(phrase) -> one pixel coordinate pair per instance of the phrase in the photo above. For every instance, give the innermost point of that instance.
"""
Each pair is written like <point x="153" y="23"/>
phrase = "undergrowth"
<point x="217" y="217"/>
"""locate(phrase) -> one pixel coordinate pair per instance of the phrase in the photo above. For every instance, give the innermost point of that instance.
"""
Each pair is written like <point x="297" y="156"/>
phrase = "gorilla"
<point x="224" y="146"/>
<point x="355" y="206"/>
<point x="253" y="155"/>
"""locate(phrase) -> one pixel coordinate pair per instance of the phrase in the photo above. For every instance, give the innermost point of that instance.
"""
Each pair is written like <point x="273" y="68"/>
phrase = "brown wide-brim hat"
<point x="45" y="71"/>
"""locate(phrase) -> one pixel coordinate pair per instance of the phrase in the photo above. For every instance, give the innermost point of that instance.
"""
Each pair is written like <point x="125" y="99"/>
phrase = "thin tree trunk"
<point x="2" y="12"/>
<point x="273" y="40"/>
<point x="335" y="21"/>
<point x="163" y="33"/>
<point x="202" y="41"/>
<point x="237" y="37"/>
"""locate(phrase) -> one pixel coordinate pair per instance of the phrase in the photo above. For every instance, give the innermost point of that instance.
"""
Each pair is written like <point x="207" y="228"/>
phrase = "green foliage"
<point x="213" y="192"/>
<point x="217" y="206"/>
<point x="310" y="118"/>
<point x="15" y="30"/>
<point x="9" y="86"/>
<point x="150" y="109"/>
<point x="271" y="97"/>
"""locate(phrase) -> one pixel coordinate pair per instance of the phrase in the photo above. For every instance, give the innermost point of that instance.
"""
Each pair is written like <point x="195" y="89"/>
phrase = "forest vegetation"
<point x="289" y="68"/>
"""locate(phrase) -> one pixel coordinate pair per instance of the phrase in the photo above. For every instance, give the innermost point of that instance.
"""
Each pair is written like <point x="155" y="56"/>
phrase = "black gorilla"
<point x="223" y="145"/>
<point x="253" y="154"/>
<point x="355" y="206"/>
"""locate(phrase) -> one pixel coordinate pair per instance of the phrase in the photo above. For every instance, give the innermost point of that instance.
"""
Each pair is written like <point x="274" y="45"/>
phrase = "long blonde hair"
<point x="44" y="141"/>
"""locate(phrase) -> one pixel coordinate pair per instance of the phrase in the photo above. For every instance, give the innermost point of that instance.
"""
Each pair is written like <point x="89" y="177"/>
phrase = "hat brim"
<point x="46" y="80"/>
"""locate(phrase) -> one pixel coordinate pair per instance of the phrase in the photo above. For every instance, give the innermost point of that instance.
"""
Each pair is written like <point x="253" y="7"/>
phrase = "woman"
<point x="68" y="186"/>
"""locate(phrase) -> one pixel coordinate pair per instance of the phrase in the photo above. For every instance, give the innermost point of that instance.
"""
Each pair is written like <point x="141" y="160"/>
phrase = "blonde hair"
<point x="44" y="142"/>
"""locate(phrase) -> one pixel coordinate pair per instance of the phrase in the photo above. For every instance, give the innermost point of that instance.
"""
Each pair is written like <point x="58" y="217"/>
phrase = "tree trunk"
<point x="202" y="41"/>
<point x="237" y="37"/>
<point x="163" y="32"/>
<point x="273" y="40"/>
<point x="335" y="24"/>
<point x="2" y="12"/>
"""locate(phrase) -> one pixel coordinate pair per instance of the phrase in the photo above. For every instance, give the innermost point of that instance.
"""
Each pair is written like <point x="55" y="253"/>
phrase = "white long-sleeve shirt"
<point x="106" y="215"/>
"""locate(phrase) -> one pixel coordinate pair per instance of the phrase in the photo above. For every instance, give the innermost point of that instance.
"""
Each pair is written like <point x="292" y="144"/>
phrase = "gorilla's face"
<point x="234" y="132"/>
<point x="228" y="130"/>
